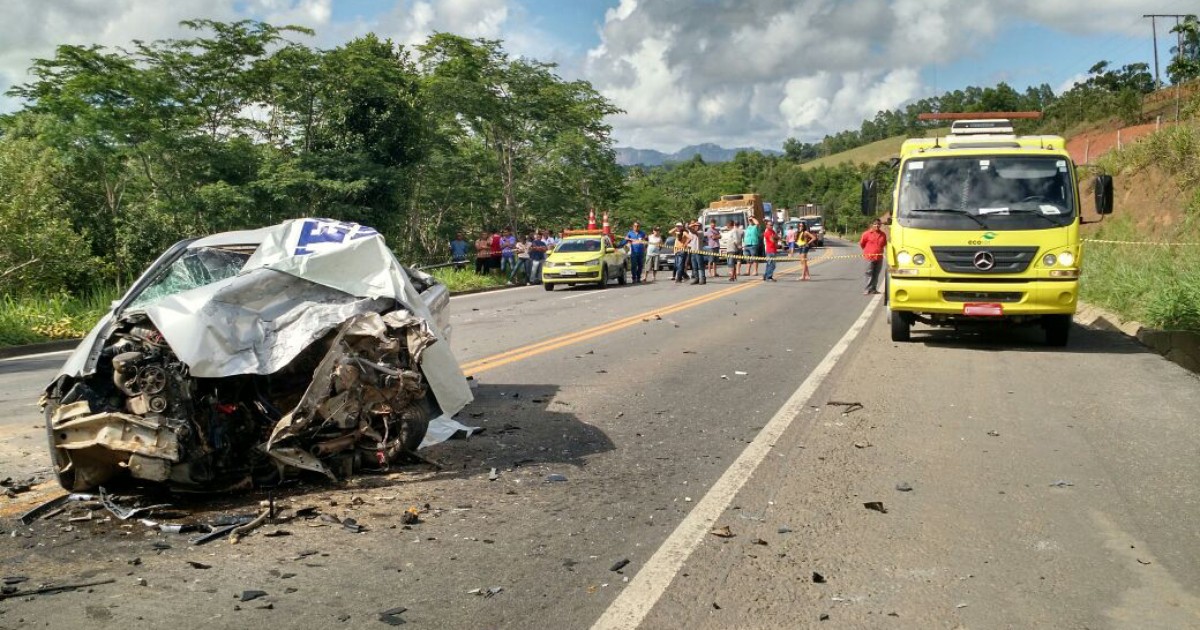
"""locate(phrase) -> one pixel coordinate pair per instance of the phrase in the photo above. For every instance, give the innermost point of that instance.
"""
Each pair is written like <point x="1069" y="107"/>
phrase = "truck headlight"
<point x="1048" y="260"/>
<point x="1066" y="259"/>
<point x="904" y="258"/>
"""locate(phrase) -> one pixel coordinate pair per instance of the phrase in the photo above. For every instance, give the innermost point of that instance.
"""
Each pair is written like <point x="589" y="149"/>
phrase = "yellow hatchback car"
<point x="585" y="257"/>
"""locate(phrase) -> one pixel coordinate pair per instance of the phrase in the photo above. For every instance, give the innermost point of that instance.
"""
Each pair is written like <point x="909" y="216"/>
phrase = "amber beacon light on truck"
<point x="985" y="227"/>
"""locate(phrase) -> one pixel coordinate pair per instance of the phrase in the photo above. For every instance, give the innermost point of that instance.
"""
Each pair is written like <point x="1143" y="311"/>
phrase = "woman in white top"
<point x="653" y="251"/>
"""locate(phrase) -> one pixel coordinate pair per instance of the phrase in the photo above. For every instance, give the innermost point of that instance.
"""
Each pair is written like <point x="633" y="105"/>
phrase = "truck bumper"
<point x="940" y="297"/>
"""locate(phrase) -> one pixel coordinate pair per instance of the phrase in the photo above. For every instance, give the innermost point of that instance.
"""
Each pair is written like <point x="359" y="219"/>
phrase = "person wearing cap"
<point x="682" y="239"/>
<point x="699" y="261"/>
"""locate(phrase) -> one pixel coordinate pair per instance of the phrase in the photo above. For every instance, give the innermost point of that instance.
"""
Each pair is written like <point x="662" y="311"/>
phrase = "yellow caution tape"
<point x="1159" y="243"/>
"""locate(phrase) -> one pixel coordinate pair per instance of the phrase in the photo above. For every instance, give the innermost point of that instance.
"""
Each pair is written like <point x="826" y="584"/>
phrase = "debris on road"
<point x="493" y="475"/>
<point x="51" y="507"/>
<point x="555" y="477"/>
<point x="875" y="505"/>
<point x="862" y="445"/>
<point x="47" y="590"/>
<point x="199" y="565"/>
<point x="904" y="486"/>
<point x="850" y="407"/>
<point x="251" y="595"/>
<point x="1061" y="483"/>
<point x="619" y="564"/>
<point x="784" y="529"/>
<point x="722" y="532"/>
<point x="994" y="433"/>
<point x="739" y="373"/>
<point x="817" y="578"/>
<point x="411" y="516"/>
<point x="391" y="616"/>
<point x="758" y="541"/>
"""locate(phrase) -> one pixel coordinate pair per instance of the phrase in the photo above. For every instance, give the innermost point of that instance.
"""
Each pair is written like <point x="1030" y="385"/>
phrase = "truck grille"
<point x="1002" y="259"/>
<point x="982" y="296"/>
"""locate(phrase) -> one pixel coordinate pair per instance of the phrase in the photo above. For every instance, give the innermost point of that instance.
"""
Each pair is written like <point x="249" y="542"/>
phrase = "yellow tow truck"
<point x="985" y="228"/>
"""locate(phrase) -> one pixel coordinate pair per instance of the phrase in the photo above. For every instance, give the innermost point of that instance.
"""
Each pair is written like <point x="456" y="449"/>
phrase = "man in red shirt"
<point x="771" y="243"/>
<point x="872" y="243"/>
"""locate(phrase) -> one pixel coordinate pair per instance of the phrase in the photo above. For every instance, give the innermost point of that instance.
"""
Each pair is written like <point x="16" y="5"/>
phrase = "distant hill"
<point x="629" y="156"/>
<point x="879" y="151"/>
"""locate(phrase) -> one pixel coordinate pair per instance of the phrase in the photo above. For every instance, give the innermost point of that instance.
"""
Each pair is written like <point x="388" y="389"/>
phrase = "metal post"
<point x="1154" y="36"/>
<point x="1087" y="151"/>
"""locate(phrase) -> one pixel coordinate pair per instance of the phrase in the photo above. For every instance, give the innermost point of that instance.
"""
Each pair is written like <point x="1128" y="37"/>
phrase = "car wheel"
<point x="604" y="277"/>
<point x="624" y="272"/>
<point x="547" y="286"/>
<point x="901" y="328"/>
<point x="1058" y="329"/>
<point x="414" y="424"/>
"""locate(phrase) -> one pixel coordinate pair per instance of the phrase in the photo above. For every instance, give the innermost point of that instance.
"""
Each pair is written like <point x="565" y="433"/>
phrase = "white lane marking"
<point x="493" y="292"/>
<point x="634" y="603"/>
<point x="578" y="295"/>
<point x="37" y="356"/>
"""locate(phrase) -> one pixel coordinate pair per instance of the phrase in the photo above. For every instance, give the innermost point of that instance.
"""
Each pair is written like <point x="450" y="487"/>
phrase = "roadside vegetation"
<point x="1158" y="285"/>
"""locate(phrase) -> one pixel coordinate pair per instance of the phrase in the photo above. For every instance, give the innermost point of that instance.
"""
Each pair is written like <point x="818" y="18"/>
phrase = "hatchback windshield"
<point x="579" y="245"/>
<point x="196" y="268"/>
<point x="961" y="193"/>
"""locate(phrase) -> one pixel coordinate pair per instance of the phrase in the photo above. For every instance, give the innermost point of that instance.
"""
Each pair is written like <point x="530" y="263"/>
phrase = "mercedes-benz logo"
<point x="984" y="261"/>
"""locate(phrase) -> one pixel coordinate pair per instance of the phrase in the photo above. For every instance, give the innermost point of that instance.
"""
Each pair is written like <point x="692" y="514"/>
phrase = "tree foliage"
<point x="118" y="152"/>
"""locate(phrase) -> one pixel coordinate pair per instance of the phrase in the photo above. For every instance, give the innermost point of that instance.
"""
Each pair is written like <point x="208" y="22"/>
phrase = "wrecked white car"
<point x="246" y="357"/>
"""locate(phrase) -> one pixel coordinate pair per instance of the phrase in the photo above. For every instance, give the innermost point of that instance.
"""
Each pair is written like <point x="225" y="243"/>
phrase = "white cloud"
<point x="753" y="72"/>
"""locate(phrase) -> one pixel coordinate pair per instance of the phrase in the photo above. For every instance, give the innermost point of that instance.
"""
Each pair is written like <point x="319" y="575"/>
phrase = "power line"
<point x="1154" y="33"/>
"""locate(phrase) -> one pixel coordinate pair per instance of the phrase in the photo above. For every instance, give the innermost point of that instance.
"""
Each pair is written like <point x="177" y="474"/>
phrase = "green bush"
<point x="46" y="318"/>
<point x="466" y="279"/>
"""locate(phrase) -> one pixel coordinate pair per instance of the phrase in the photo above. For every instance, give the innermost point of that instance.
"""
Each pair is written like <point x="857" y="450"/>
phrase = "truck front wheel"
<point x="901" y="328"/>
<point x="1058" y="329"/>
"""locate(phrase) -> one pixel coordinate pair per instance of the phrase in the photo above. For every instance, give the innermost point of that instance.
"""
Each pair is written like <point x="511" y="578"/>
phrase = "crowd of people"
<point x="694" y="249"/>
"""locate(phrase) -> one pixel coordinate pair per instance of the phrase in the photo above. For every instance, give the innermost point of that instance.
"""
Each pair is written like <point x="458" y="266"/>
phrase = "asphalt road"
<point x="671" y="410"/>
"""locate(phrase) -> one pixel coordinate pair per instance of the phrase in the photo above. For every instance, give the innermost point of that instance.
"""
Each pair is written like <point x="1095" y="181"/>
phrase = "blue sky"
<point x="733" y="72"/>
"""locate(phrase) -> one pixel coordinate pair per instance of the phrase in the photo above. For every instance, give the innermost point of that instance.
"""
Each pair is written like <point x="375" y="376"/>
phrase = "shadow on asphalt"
<point x="1026" y="339"/>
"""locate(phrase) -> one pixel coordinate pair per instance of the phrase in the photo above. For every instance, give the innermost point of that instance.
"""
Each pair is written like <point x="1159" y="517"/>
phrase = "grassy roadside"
<point x="37" y="319"/>
<point x="1158" y="286"/>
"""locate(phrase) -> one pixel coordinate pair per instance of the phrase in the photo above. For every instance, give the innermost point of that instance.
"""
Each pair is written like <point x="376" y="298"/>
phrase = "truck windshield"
<point x="723" y="218"/>
<point x="1001" y="193"/>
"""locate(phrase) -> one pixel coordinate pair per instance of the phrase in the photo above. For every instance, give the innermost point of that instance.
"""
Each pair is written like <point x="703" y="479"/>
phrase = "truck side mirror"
<point x="868" y="197"/>
<point x="1104" y="194"/>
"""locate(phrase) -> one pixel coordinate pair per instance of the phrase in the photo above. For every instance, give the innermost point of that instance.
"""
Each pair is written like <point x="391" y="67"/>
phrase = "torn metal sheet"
<point x="252" y="355"/>
<point x="445" y="428"/>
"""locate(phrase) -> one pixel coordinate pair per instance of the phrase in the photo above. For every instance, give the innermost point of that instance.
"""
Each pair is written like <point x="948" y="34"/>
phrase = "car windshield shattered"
<point x="195" y="268"/>
<point x="579" y="245"/>
<point x="958" y="193"/>
<point x="317" y="353"/>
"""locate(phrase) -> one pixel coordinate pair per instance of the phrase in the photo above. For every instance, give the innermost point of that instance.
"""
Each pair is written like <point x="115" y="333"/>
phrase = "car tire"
<point x="624" y="272"/>
<point x="548" y="286"/>
<point x="604" y="277"/>
<point x="901" y="328"/>
<point x="1058" y="330"/>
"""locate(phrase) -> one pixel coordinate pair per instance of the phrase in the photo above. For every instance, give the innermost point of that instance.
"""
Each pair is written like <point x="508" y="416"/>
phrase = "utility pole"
<point x="1154" y="34"/>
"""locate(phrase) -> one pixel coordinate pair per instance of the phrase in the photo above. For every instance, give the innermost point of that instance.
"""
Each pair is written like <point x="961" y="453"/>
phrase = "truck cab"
<point x="985" y="229"/>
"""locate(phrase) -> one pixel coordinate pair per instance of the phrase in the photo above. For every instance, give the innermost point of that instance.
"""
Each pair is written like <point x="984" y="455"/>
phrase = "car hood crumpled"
<point x="306" y="278"/>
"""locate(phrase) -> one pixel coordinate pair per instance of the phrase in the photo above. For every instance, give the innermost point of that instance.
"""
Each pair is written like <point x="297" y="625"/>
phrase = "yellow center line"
<point x="519" y="354"/>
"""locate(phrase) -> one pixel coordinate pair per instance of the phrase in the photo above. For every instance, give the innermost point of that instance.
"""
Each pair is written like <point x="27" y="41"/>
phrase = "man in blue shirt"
<point x="458" y="251"/>
<point x="637" y="251"/>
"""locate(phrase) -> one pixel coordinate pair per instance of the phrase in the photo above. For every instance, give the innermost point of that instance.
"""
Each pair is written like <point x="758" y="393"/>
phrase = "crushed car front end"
<point x="246" y="358"/>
